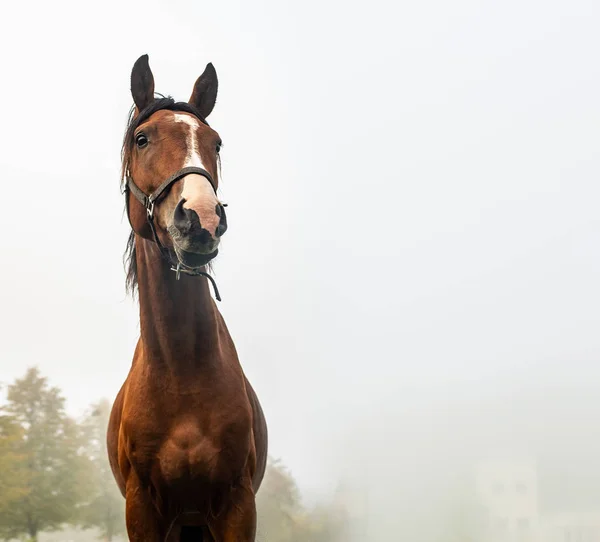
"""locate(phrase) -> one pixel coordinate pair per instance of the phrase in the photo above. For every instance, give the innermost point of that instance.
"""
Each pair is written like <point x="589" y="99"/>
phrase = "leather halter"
<point x="148" y="201"/>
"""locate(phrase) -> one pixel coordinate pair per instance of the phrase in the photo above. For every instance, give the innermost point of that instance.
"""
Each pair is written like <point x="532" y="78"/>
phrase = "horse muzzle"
<point x="196" y="232"/>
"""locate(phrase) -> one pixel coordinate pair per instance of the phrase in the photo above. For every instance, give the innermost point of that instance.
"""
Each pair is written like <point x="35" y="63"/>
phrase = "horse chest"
<point x="188" y="454"/>
<point x="193" y="453"/>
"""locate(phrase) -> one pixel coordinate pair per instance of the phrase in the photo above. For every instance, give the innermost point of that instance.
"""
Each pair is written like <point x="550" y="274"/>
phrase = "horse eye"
<point x="141" y="140"/>
<point x="219" y="145"/>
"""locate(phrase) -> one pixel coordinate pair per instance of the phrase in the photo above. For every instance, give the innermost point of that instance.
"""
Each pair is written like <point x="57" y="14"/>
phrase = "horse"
<point x="187" y="437"/>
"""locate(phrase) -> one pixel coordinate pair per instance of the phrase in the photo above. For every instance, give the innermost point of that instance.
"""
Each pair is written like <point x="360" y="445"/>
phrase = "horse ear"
<point x="204" y="95"/>
<point x="142" y="83"/>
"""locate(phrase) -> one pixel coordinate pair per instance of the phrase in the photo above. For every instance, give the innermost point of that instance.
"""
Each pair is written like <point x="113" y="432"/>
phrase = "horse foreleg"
<point x="140" y="514"/>
<point x="237" y="521"/>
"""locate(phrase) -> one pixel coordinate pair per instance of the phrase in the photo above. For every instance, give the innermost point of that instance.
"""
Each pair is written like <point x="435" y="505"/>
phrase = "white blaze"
<point x="197" y="190"/>
<point x="193" y="155"/>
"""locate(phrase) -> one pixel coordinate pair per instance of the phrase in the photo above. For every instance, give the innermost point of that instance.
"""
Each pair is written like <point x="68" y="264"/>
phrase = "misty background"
<point x="411" y="269"/>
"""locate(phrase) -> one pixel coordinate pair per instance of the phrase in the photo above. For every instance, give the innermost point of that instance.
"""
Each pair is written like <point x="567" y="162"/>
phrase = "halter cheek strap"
<point x="148" y="202"/>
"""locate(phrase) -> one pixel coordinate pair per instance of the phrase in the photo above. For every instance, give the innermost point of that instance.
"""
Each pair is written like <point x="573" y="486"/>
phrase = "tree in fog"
<point x="103" y="507"/>
<point x="461" y="515"/>
<point x="45" y="444"/>
<point x="278" y="504"/>
<point x="282" y="516"/>
<point x="13" y="476"/>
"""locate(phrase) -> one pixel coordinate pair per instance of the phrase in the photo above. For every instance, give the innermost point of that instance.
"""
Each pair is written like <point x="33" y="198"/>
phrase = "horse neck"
<point x="179" y="321"/>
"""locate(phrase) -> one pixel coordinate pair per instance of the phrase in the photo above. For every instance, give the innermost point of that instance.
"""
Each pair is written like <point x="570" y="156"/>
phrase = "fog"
<point x="411" y="269"/>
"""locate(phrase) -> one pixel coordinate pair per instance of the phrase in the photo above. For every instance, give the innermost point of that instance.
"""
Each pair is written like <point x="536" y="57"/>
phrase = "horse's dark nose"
<point x="188" y="224"/>
<point x="188" y="232"/>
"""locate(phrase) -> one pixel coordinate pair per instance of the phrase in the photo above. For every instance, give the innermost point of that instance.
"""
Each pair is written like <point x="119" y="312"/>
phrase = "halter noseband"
<point x="148" y="202"/>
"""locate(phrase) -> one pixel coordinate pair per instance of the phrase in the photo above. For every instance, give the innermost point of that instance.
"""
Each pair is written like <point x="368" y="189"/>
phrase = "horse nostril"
<point x="183" y="219"/>
<point x="188" y="228"/>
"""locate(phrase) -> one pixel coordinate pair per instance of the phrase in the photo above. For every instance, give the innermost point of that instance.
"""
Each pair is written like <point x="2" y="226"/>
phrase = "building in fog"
<point x="507" y="491"/>
<point x="513" y="510"/>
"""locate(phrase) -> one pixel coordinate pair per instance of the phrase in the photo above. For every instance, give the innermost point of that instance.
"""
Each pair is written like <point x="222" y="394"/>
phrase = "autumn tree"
<point x="13" y="475"/>
<point x="278" y="505"/>
<point x="282" y="517"/>
<point x="46" y="445"/>
<point x="104" y="506"/>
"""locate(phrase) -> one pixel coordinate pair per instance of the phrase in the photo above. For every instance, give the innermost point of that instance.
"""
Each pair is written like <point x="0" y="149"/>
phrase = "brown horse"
<point x="187" y="438"/>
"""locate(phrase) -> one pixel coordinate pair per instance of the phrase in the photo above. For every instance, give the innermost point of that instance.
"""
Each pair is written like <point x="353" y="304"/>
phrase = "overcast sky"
<point x="413" y="192"/>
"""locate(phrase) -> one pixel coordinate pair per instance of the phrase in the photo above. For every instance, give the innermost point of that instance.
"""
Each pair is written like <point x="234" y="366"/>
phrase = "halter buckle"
<point x="150" y="209"/>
